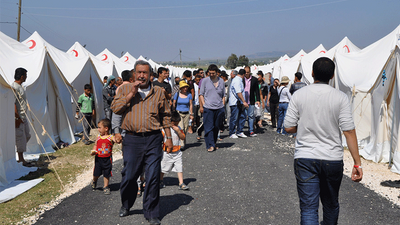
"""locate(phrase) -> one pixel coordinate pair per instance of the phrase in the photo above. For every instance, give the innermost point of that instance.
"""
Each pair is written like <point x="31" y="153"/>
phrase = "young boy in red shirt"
<point x="103" y="155"/>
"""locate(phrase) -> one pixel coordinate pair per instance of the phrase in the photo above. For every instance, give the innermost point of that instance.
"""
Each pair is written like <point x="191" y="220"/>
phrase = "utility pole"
<point x="180" y="56"/>
<point x="19" y="21"/>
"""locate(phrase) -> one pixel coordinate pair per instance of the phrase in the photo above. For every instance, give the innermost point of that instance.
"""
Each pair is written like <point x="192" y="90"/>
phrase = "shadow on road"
<point x="170" y="203"/>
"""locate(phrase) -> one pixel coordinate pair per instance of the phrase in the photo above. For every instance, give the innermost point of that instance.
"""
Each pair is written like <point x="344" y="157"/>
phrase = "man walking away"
<point x="318" y="157"/>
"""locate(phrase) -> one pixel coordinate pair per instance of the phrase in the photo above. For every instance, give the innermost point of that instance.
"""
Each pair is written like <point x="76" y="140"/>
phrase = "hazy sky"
<point x="202" y="29"/>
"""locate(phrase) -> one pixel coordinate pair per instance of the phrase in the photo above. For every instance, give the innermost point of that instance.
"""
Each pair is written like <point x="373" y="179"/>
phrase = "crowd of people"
<point x="151" y="119"/>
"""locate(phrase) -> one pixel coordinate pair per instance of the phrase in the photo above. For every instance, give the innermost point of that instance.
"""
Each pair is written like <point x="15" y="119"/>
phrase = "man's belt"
<point x="186" y="112"/>
<point x="144" y="134"/>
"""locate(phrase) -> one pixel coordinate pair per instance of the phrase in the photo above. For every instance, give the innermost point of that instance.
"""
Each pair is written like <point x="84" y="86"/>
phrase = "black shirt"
<point x="164" y="85"/>
<point x="274" y="98"/>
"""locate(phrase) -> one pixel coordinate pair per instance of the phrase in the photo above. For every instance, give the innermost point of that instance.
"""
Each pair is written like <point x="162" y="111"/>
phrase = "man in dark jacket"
<point x="297" y="83"/>
<point x="108" y="96"/>
<point x="252" y="97"/>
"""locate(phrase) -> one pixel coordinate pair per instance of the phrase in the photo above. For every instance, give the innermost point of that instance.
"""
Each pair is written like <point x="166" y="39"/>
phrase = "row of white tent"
<point x="55" y="81"/>
<point x="370" y="77"/>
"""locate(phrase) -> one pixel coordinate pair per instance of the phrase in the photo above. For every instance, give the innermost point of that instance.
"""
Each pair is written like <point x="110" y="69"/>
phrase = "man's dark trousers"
<point x="142" y="152"/>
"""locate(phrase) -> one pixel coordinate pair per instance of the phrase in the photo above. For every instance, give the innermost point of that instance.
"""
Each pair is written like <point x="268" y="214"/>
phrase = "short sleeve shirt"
<point x="212" y="95"/>
<point x="320" y="113"/>
<point x="21" y="99"/>
<point x="164" y="85"/>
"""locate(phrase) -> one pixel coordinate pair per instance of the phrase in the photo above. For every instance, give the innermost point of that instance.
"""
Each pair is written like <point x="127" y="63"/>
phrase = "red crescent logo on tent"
<point x="322" y="52"/>
<point x="76" y="53"/>
<point x="348" y="50"/>
<point x="127" y="58"/>
<point x="33" y="43"/>
<point x="301" y="55"/>
<point x="286" y="59"/>
<point x="105" y="57"/>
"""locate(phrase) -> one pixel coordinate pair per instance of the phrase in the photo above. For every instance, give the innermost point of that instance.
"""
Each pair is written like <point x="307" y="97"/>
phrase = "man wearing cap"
<point x="284" y="98"/>
<point x="108" y="96"/>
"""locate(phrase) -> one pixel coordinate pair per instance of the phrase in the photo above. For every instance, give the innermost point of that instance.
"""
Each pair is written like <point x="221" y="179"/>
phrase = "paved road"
<point x="246" y="181"/>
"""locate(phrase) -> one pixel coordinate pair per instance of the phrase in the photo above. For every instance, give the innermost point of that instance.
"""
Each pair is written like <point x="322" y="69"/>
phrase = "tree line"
<point x="233" y="61"/>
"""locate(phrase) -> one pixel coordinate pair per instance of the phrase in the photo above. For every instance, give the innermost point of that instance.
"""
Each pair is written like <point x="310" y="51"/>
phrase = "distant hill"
<point x="273" y="54"/>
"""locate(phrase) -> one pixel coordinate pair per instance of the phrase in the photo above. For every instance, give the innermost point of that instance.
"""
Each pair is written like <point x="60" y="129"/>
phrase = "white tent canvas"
<point x="306" y="63"/>
<point x="369" y="77"/>
<point x="47" y="95"/>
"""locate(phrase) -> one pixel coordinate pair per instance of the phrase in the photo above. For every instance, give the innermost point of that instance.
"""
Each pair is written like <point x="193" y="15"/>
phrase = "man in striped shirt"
<point x="145" y="111"/>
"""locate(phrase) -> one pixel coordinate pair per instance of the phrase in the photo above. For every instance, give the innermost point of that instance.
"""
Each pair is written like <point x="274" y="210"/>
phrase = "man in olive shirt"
<point x="145" y="111"/>
<point x="22" y="135"/>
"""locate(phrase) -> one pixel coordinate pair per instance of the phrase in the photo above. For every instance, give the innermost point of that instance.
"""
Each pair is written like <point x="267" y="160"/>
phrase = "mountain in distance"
<point x="273" y="54"/>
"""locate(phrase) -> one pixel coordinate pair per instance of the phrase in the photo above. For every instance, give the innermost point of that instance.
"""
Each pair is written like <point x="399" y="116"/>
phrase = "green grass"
<point x="68" y="162"/>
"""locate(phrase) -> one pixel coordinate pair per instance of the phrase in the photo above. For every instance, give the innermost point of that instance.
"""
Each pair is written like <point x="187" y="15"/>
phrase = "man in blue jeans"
<point x="252" y="97"/>
<point x="237" y="105"/>
<point x="318" y="157"/>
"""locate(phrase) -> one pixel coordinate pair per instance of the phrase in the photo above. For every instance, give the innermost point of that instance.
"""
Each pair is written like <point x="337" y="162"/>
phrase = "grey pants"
<point x="86" y="125"/>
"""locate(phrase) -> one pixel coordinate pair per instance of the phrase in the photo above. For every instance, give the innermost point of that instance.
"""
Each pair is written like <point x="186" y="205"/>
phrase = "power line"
<point x="141" y="8"/>
<point x="192" y="18"/>
<point x="46" y="27"/>
<point x="21" y="26"/>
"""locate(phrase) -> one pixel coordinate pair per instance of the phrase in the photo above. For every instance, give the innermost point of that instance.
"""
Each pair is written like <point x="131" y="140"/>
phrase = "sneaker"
<point x="107" y="191"/>
<point x="184" y="187"/>
<point x="242" y="135"/>
<point x="162" y="185"/>
<point x="233" y="136"/>
<point x="93" y="185"/>
<point x="252" y="134"/>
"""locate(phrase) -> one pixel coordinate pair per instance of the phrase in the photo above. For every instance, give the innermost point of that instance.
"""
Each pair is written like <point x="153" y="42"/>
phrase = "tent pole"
<point x="391" y="136"/>
<point x="19" y="21"/>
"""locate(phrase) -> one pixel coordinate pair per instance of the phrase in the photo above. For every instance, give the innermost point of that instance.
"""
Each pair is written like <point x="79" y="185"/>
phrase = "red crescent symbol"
<point x="127" y="58"/>
<point x="105" y="57"/>
<point x="76" y="53"/>
<point x="348" y="50"/>
<point x="286" y="59"/>
<point x="33" y="43"/>
<point x="301" y="55"/>
<point x="322" y="51"/>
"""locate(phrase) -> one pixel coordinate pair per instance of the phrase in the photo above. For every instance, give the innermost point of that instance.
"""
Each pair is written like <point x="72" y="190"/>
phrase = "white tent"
<point x="47" y="95"/>
<point x="9" y="168"/>
<point x="276" y="66"/>
<point x="105" y="64"/>
<point x="291" y="66"/>
<point x="370" y="78"/>
<point x="87" y="75"/>
<point x="129" y="61"/>
<point x="78" y="71"/>
<point x="306" y="63"/>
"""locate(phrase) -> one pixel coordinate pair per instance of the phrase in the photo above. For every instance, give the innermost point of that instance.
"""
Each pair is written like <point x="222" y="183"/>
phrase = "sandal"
<point x="198" y="138"/>
<point x="211" y="149"/>
<point x="184" y="187"/>
<point x="27" y="164"/>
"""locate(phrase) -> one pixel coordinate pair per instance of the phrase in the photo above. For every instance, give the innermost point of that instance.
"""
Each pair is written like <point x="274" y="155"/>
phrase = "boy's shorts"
<point x="102" y="166"/>
<point x="172" y="162"/>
